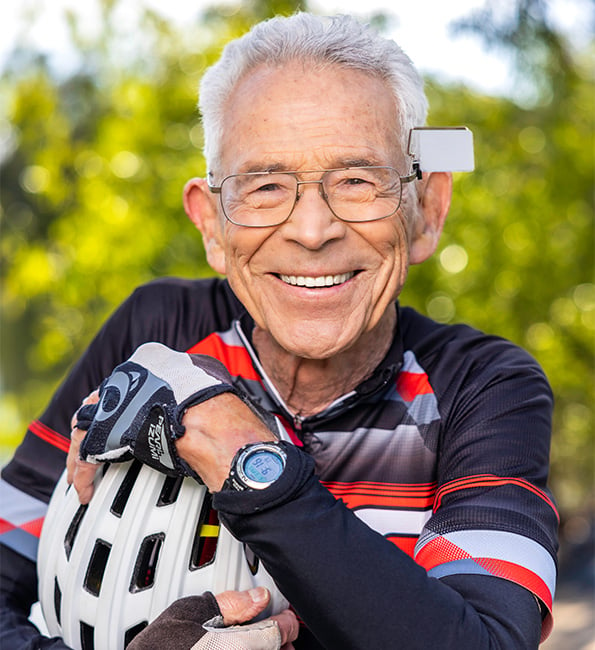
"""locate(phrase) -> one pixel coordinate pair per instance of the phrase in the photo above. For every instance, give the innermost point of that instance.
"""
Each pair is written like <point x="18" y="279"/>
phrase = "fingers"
<point x="241" y="606"/>
<point x="78" y="472"/>
<point x="288" y="626"/>
<point x="83" y="481"/>
<point x="92" y="398"/>
<point x="76" y="437"/>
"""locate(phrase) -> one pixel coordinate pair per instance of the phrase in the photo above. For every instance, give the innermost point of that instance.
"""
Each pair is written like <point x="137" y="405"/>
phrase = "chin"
<point x="315" y="347"/>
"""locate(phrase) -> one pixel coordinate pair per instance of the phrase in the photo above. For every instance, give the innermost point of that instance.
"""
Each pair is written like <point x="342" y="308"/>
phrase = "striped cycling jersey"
<point x="443" y="450"/>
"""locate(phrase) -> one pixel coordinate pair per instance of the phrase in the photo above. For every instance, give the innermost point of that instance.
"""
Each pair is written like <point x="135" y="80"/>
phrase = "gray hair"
<point x="320" y="41"/>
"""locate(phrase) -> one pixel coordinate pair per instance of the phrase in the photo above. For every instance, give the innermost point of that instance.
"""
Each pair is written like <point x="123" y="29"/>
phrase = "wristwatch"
<point x="256" y="466"/>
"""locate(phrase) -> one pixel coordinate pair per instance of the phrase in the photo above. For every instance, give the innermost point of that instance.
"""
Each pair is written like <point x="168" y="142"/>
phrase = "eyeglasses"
<point x="354" y="194"/>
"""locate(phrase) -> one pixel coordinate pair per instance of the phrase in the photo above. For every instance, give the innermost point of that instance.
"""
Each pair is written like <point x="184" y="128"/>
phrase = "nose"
<point x="312" y="223"/>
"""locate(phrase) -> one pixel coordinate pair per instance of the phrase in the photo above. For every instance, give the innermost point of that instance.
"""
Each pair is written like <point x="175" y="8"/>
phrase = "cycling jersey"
<point x="441" y="454"/>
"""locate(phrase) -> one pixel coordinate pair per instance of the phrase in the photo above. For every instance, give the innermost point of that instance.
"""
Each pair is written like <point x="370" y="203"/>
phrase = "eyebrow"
<point x="340" y="164"/>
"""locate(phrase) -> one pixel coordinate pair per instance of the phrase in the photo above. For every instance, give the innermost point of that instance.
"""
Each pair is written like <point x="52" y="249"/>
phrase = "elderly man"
<point x="411" y="508"/>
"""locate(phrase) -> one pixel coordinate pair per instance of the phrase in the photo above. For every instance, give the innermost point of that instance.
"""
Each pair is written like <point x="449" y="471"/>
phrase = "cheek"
<point x="243" y="246"/>
<point x="240" y="245"/>
<point x="389" y="238"/>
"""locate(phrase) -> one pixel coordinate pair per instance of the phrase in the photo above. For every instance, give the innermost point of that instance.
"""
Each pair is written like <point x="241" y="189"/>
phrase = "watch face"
<point x="263" y="466"/>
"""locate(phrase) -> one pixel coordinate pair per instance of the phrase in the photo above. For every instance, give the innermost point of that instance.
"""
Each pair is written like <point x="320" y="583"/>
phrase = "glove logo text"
<point x="155" y="438"/>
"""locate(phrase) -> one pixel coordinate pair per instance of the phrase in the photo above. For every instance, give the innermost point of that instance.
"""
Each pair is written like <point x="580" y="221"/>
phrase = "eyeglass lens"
<point x="354" y="194"/>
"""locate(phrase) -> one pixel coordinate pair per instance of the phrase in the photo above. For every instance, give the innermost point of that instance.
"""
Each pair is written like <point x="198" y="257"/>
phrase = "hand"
<point x="215" y="430"/>
<point x="214" y="623"/>
<point x="241" y="606"/>
<point x="117" y="417"/>
<point x="141" y="405"/>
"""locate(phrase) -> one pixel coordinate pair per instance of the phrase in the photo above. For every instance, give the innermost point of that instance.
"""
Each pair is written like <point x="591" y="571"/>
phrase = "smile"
<point x="319" y="281"/>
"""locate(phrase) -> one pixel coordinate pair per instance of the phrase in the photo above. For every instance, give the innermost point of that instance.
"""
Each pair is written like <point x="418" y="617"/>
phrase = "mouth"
<point x="315" y="282"/>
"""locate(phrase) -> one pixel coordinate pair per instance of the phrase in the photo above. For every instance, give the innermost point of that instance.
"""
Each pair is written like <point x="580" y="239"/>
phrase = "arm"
<point x="298" y="529"/>
<point x="168" y="310"/>
<point x="321" y="555"/>
<point x="29" y="479"/>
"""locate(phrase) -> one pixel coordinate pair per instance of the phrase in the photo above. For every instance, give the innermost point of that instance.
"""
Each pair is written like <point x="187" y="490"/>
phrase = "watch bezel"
<point x="238" y="477"/>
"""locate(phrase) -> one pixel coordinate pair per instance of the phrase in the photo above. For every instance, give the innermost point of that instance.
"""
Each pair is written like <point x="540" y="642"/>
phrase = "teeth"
<point x="320" y="281"/>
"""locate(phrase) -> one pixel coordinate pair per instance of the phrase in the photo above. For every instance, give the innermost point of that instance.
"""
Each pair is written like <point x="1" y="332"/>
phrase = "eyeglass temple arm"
<point x="415" y="175"/>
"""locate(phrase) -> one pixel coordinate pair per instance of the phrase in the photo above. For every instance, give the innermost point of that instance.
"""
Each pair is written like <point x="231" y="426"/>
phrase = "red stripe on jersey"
<point x="441" y="551"/>
<point x="289" y="430"/>
<point x="519" y="574"/>
<point x="235" y="358"/>
<point x="412" y="384"/>
<point x="49" y="435"/>
<point x="392" y="495"/>
<point x="5" y="526"/>
<point x="33" y="527"/>
<point x="489" y="480"/>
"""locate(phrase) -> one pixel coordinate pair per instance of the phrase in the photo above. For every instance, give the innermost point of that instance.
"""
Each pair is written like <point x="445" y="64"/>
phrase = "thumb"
<point x="241" y="606"/>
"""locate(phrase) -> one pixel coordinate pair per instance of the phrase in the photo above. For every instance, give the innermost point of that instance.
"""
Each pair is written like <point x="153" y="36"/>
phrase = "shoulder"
<point x="176" y="311"/>
<point x="185" y="293"/>
<point x="462" y="363"/>
<point x="462" y="345"/>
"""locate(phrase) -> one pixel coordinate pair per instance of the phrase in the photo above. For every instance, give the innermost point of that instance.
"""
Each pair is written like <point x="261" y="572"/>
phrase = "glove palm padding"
<point x="141" y="405"/>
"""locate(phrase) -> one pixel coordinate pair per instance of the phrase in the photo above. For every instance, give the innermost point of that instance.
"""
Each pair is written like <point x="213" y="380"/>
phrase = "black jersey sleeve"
<point x="354" y="589"/>
<point x="175" y="312"/>
<point x="493" y="513"/>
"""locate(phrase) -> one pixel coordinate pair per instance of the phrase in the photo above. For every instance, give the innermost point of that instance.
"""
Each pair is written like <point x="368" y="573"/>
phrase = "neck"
<point x="307" y="386"/>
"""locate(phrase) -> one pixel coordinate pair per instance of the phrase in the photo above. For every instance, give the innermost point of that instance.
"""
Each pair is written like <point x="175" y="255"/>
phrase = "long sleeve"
<point x="356" y="590"/>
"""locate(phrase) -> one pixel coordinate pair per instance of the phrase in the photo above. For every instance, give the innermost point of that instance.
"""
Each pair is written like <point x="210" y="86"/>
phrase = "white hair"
<point x="321" y="42"/>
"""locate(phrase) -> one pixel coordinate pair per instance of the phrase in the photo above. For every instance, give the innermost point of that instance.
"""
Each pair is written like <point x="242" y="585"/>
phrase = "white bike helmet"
<point x="106" y="570"/>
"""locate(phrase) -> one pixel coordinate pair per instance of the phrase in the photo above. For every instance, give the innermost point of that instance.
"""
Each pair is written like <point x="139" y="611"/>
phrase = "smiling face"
<point x="316" y="284"/>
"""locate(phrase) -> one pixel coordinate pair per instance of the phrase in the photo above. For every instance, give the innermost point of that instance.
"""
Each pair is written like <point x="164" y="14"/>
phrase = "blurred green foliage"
<point x="94" y="162"/>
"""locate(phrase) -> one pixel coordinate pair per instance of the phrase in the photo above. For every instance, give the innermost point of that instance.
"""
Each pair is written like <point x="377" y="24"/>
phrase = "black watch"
<point x="256" y="466"/>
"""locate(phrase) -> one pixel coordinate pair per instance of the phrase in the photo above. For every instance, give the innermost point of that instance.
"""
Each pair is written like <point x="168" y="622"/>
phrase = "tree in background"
<point x="517" y="256"/>
<point x="94" y="162"/>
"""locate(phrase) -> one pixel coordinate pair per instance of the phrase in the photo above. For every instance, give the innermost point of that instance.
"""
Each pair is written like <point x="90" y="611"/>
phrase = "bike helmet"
<point x="109" y="568"/>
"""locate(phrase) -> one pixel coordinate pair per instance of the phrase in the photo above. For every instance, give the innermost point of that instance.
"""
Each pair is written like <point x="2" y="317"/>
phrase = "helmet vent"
<point x="143" y="576"/>
<point x="57" y="601"/>
<point x="87" y="641"/>
<point x="133" y="631"/>
<point x="121" y="498"/>
<point x="97" y="566"/>
<point x="205" y="537"/>
<point x="73" y="530"/>
<point x="170" y="490"/>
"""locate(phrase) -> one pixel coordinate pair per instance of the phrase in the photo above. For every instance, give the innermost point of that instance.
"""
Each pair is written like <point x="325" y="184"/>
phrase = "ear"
<point x="201" y="208"/>
<point x="433" y="207"/>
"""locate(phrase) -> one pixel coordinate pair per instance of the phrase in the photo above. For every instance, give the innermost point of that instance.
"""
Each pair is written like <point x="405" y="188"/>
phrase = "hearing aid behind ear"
<point x="441" y="149"/>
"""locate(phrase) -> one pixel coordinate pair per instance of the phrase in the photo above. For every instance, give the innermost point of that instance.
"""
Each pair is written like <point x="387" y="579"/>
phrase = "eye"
<point x="356" y="180"/>
<point x="268" y="187"/>
<point x="265" y="184"/>
<point x="356" y="183"/>
<point x="266" y="191"/>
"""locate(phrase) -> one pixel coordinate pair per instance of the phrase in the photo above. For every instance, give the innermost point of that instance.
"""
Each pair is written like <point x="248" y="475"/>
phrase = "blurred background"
<point x="99" y="132"/>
